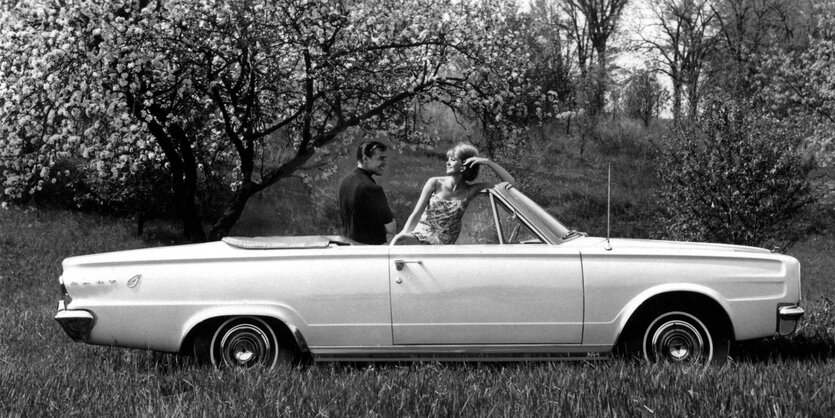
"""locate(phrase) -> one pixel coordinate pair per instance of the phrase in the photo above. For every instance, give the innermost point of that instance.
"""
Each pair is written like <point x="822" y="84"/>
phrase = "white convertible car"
<point x="518" y="285"/>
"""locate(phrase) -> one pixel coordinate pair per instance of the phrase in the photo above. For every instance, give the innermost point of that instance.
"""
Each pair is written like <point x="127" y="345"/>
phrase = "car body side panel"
<point x="476" y="294"/>
<point x="749" y="286"/>
<point x="334" y="296"/>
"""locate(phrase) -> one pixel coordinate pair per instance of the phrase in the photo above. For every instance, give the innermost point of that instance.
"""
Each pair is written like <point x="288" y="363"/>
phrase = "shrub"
<point x="142" y="193"/>
<point x="623" y="137"/>
<point x="737" y="177"/>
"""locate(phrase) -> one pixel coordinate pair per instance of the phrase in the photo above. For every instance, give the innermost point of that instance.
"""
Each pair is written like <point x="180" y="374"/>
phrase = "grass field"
<point x="42" y="373"/>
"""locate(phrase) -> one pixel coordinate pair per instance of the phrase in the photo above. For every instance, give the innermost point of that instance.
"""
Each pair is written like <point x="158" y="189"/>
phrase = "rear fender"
<point x="288" y="316"/>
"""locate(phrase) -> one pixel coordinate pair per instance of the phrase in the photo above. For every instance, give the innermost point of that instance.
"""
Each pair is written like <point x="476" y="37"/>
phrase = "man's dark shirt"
<point x="363" y="208"/>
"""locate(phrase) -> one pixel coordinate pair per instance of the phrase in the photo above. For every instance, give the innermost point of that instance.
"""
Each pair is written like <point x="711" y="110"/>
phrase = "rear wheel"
<point x="245" y="342"/>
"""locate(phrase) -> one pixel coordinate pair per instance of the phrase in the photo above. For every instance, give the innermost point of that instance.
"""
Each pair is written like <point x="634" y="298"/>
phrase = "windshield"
<point x="560" y="231"/>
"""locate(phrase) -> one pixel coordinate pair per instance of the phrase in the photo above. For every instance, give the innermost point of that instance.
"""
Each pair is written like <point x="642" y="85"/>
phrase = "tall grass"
<point x="157" y="387"/>
<point x="42" y="373"/>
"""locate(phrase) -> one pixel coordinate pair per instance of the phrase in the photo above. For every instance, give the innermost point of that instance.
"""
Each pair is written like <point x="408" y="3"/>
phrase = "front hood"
<point x="664" y="246"/>
<point x="685" y="246"/>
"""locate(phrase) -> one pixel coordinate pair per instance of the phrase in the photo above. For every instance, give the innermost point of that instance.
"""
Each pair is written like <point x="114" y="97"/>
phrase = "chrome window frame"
<point x="540" y="222"/>
<point x="519" y="216"/>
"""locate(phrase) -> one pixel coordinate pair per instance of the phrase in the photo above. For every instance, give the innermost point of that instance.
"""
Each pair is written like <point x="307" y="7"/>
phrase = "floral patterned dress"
<point x="441" y="221"/>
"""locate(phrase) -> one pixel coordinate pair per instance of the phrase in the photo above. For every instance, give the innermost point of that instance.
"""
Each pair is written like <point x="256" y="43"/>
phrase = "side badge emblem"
<point x="133" y="281"/>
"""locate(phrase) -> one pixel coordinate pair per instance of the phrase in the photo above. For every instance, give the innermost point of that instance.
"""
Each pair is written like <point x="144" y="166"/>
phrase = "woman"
<point x="437" y="215"/>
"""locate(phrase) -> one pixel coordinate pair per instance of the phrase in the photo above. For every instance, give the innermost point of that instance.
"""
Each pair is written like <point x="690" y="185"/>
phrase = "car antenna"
<point x="609" y="208"/>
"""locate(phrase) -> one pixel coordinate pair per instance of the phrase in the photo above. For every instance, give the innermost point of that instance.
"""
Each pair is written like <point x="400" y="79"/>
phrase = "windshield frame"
<point x="538" y="218"/>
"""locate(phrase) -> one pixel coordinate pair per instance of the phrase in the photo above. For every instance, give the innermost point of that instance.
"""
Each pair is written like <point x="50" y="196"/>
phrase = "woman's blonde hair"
<point x="464" y="150"/>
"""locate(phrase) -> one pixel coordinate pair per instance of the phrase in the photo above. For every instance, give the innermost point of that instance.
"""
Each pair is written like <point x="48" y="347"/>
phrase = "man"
<point x="363" y="207"/>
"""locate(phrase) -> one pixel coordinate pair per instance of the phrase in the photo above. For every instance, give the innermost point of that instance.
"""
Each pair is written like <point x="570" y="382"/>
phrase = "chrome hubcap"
<point x="243" y="354"/>
<point x="245" y="345"/>
<point x="677" y="340"/>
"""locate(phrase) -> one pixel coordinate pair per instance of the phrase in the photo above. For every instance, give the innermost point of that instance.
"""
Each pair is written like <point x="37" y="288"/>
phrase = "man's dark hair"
<point x="367" y="148"/>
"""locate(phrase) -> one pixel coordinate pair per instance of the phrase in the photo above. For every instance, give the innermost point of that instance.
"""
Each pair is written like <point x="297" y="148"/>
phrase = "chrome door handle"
<point x="398" y="264"/>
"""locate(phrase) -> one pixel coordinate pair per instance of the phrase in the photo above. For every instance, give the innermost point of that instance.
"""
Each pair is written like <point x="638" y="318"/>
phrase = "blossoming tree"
<point x="202" y="87"/>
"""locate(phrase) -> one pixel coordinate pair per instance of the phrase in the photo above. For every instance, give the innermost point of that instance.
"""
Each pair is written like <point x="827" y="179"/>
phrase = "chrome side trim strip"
<point x="463" y="353"/>
<point x="497" y="357"/>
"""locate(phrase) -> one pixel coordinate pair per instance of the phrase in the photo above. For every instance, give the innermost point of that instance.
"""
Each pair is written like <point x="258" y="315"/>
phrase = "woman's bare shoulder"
<point x="435" y="182"/>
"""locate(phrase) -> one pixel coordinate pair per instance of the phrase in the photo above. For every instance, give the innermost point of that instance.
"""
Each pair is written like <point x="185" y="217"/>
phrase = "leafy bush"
<point x="622" y="136"/>
<point x="736" y="177"/>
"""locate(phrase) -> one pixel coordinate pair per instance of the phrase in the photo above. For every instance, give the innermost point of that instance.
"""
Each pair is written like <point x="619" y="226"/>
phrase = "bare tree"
<point x="577" y="29"/>
<point x="591" y="24"/>
<point x="686" y="38"/>
<point x="747" y="30"/>
<point x="602" y="18"/>
<point x="552" y="55"/>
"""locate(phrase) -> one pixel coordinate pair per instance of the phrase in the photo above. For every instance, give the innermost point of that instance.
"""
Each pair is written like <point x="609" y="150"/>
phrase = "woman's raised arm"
<point x="503" y="174"/>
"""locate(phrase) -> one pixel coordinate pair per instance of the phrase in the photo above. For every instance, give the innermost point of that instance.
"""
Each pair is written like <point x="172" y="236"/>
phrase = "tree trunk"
<point x="249" y="188"/>
<point x="140" y="222"/>
<point x="173" y="140"/>
<point x="192" y="226"/>
<point x="232" y="212"/>
<point x="693" y="100"/>
<point x="185" y="195"/>
<point x="189" y="210"/>
<point x="676" y="102"/>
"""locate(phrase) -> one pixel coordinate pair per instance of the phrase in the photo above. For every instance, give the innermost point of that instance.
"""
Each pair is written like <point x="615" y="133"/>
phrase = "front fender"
<point x="631" y="307"/>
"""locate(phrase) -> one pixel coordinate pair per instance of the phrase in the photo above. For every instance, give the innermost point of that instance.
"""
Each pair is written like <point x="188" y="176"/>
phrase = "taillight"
<point x="77" y="324"/>
<point x="64" y="294"/>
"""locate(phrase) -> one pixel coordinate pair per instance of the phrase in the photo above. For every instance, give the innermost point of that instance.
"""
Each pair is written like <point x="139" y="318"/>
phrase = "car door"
<point x="503" y="286"/>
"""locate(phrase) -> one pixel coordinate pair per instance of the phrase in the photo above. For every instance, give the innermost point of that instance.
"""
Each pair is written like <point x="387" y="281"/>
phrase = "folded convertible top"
<point x="283" y="242"/>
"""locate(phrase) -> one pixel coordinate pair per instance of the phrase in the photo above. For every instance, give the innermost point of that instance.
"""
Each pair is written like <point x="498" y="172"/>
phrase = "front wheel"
<point x="682" y="337"/>
<point x="245" y="342"/>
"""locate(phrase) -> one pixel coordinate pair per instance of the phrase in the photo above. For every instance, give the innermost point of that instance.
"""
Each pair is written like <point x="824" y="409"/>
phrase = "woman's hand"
<point x="500" y="171"/>
<point x="472" y="161"/>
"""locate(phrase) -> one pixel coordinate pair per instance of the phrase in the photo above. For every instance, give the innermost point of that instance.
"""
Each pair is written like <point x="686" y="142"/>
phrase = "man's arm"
<point x="391" y="229"/>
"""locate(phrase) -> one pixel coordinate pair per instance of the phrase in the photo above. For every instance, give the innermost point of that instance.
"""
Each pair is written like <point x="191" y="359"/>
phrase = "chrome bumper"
<point x="77" y="324"/>
<point x="787" y="318"/>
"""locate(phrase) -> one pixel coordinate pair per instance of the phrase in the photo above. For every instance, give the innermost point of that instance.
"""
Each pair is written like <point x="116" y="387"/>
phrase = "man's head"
<point x="371" y="156"/>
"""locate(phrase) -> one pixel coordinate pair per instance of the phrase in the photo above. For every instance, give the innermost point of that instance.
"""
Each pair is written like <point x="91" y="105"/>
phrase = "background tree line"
<point x="193" y="107"/>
